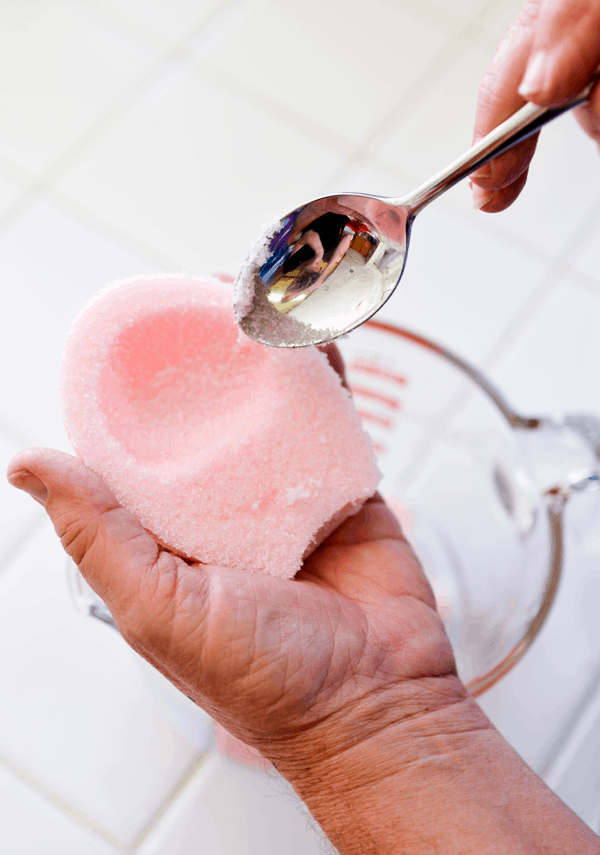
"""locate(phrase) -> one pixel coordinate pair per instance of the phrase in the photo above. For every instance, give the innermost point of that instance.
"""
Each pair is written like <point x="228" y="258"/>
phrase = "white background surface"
<point x="145" y="135"/>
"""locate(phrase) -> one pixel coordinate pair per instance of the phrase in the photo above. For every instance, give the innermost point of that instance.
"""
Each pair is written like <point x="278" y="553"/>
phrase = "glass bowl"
<point x="479" y="489"/>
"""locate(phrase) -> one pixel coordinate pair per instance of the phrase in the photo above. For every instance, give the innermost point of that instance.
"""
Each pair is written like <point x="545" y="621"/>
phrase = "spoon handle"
<point x="522" y="124"/>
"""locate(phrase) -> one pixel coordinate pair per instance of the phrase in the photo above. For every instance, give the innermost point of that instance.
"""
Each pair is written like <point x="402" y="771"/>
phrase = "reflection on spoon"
<point x="329" y="265"/>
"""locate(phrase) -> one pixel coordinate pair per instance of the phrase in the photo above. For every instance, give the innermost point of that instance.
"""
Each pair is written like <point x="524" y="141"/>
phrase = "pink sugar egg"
<point x="229" y="452"/>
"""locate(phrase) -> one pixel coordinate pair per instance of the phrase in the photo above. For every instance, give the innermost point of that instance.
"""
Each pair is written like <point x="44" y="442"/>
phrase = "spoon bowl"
<point x="329" y="265"/>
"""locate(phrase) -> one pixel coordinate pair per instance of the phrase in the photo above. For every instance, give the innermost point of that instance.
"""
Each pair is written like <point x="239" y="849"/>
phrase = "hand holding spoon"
<point x="329" y="265"/>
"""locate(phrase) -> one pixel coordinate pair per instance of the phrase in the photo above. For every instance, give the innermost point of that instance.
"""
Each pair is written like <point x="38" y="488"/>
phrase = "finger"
<point x="193" y="623"/>
<point x="493" y="201"/>
<point x="498" y="99"/>
<point x="159" y="602"/>
<point x="112" y="549"/>
<point x="368" y="555"/>
<point x="334" y="357"/>
<point x="374" y="521"/>
<point x="565" y="51"/>
<point x="588" y="115"/>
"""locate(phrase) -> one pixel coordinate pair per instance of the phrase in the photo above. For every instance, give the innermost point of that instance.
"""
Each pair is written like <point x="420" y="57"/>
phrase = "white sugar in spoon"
<point x="329" y="265"/>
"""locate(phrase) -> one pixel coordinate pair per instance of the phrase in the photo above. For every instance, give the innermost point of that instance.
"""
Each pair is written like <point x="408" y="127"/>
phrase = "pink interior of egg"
<point x="229" y="452"/>
<point x="176" y="382"/>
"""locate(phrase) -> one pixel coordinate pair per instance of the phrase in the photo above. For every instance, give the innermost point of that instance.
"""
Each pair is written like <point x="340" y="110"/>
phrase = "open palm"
<point x="266" y="657"/>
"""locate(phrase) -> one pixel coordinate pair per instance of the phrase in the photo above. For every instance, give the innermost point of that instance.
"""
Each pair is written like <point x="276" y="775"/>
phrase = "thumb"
<point x="117" y="556"/>
<point x="565" y="51"/>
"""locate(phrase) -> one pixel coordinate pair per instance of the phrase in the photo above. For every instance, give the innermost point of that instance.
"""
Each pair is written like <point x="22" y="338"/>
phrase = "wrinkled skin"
<point x="270" y="659"/>
<point x="566" y="33"/>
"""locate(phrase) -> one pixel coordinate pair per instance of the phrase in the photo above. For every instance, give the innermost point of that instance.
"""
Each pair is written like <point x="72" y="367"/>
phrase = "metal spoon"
<point x="329" y="265"/>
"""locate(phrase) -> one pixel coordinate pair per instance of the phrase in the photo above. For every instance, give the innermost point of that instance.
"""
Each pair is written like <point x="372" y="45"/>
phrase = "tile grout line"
<point x="40" y="190"/>
<point x="268" y="103"/>
<point x="102" y="127"/>
<point x="118" y="20"/>
<point x="14" y="435"/>
<point x="58" y="802"/>
<point x="110" y="229"/>
<point x="473" y="222"/>
<point x="200" y="762"/>
<point x="449" y="51"/>
<point x="585" y="281"/>
<point x="517" y="327"/>
<point x="499" y="233"/>
<point x="178" y="54"/>
<point x="43" y="186"/>
<point x="508" y="337"/>
<point x="181" y="54"/>
<point x="579" y="240"/>
<point x="299" y="121"/>
<point x="474" y="219"/>
<point x="558" y="270"/>
<point x="17" y="173"/>
<point x="468" y="32"/>
<point x="21" y="540"/>
<point x="427" y="11"/>
<point x="554" y="753"/>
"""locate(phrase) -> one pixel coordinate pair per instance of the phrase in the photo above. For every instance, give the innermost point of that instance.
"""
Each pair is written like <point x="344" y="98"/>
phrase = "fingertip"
<point x="32" y="470"/>
<point x="588" y="115"/>
<point x="482" y="197"/>
<point x="62" y="474"/>
<point x="28" y="483"/>
<point x="564" y="52"/>
<point x="538" y="75"/>
<point x="25" y="460"/>
<point x="499" y="200"/>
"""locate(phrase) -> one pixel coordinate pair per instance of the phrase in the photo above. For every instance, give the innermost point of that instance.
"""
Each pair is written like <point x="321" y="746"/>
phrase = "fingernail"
<point x="30" y="484"/>
<point x="484" y="171"/>
<point x="481" y="197"/>
<point x="535" y="75"/>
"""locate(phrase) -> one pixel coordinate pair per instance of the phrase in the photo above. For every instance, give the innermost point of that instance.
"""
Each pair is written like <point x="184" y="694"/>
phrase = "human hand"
<point x="343" y="677"/>
<point x="546" y="56"/>
<point x="283" y="665"/>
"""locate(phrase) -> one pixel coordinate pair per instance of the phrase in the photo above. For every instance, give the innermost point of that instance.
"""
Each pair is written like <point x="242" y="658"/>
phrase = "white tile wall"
<point x="557" y="207"/>
<point x="330" y="81"/>
<point x="18" y="514"/>
<point x="551" y="364"/>
<point x="171" y="22"/>
<point x="141" y="135"/>
<point x="229" y="808"/>
<point x="61" y="71"/>
<point x="495" y="16"/>
<point x="458" y="267"/>
<point x="468" y="10"/>
<point x="32" y="823"/>
<point x="439" y="128"/>
<point x="52" y="263"/>
<point x="458" y="270"/>
<point x="588" y="258"/>
<point x="11" y="188"/>
<point x="174" y="197"/>
<point x="535" y="705"/>
<point x="78" y="715"/>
